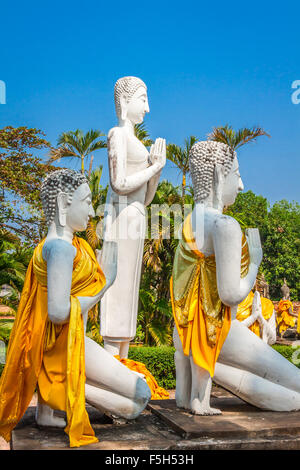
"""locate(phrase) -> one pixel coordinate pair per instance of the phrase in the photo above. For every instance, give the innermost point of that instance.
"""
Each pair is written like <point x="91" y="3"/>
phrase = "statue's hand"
<point x="108" y="261"/>
<point x="254" y="246"/>
<point x="158" y="152"/>
<point x="256" y="307"/>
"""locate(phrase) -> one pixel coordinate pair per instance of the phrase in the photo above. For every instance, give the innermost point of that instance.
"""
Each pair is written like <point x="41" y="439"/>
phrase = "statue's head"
<point x="66" y="199"/>
<point x="215" y="170"/>
<point x="131" y="99"/>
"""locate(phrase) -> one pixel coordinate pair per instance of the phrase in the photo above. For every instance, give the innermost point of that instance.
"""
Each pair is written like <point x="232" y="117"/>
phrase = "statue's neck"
<point x="127" y="124"/>
<point x="211" y="203"/>
<point x="57" y="231"/>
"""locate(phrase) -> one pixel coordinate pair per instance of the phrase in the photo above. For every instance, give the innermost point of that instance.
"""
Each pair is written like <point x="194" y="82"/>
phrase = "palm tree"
<point x="77" y="145"/>
<point x="180" y="157"/>
<point x="236" y="139"/>
<point x="142" y="134"/>
<point x="14" y="259"/>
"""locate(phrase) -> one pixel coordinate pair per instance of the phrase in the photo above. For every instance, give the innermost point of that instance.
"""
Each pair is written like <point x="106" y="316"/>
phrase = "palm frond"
<point x="91" y="233"/>
<point x="142" y="134"/>
<point x="235" y="139"/>
<point x="61" y="152"/>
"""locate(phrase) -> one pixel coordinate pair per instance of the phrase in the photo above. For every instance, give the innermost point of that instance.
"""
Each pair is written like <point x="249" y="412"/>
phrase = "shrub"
<point x="285" y="351"/>
<point x="159" y="361"/>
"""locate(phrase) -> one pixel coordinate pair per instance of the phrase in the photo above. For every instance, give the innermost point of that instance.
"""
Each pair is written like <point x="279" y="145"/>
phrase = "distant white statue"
<point x="215" y="268"/>
<point x="134" y="175"/>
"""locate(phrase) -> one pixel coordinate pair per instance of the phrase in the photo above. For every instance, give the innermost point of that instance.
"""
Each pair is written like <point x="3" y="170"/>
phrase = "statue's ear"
<point x="123" y="105"/>
<point x="62" y="204"/>
<point x="218" y="184"/>
<point x="218" y="174"/>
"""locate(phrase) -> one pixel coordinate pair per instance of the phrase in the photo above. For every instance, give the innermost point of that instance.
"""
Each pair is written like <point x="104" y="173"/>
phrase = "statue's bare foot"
<point x="44" y="416"/>
<point x="51" y="421"/>
<point x="182" y="403"/>
<point x="198" y="408"/>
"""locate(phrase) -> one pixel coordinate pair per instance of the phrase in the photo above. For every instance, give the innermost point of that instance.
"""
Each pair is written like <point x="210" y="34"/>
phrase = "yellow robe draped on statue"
<point x="48" y="355"/>
<point x="202" y="320"/>
<point x="245" y="310"/>
<point x="284" y="319"/>
<point x="157" y="392"/>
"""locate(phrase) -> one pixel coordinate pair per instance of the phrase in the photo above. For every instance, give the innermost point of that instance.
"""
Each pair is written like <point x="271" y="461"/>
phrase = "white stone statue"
<point x="110" y="386"/>
<point x="134" y="176"/>
<point x="246" y="365"/>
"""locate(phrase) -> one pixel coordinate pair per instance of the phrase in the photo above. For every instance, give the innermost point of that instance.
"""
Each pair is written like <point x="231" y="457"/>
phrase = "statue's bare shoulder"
<point x="226" y="226"/>
<point x="116" y="133"/>
<point x="58" y="250"/>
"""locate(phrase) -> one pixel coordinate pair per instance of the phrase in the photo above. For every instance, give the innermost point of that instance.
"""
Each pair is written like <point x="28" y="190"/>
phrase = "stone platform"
<point x="162" y="426"/>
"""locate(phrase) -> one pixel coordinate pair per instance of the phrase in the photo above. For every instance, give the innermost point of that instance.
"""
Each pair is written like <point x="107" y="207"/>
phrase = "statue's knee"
<point x="143" y="392"/>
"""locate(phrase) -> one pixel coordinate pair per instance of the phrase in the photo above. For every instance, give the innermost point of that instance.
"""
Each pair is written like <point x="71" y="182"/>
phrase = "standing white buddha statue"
<point x="134" y="175"/>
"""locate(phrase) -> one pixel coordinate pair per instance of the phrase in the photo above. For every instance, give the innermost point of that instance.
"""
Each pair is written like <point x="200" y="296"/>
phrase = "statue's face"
<point x="80" y="209"/>
<point x="137" y="106"/>
<point x="233" y="184"/>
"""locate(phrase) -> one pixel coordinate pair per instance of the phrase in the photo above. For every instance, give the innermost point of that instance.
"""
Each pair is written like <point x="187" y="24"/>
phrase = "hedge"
<point x="160" y="361"/>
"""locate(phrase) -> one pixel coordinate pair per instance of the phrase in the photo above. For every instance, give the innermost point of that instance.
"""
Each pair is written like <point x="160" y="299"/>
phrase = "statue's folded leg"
<point x="111" y="386"/>
<point x="244" y="350"/>
<point x="114" y="403"/>
<point x="256" y="390"/>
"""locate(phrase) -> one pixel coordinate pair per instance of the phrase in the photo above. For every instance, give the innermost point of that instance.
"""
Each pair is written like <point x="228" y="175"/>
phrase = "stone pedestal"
<point x="165" y="427"/>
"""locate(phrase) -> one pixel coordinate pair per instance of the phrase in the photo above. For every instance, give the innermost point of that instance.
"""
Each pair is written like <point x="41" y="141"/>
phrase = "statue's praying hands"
<point x="158" y="152"/>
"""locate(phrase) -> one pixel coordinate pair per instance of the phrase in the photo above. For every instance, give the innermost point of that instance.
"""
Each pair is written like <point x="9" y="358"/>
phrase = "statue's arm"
<point x="250" y="320"/>
<point x="59" y="256"/>
<point x="117" y="155"/>
<point x="151" y="188"/>
<point x="108" y="261"/>
<point x="227" y="239"/>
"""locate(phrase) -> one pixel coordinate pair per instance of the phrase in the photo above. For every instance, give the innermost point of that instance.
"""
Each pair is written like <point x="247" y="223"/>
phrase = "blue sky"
<point x="205" y="64"/>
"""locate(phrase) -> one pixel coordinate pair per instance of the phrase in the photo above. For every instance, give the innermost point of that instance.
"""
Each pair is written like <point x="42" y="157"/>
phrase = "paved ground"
<point x="162" y="426"/>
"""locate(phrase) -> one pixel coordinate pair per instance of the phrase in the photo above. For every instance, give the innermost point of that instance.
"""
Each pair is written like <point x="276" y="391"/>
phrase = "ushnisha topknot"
<point x="127" y="86"/>
<point x="203" y="158"/>
<point x="65" y="181"/>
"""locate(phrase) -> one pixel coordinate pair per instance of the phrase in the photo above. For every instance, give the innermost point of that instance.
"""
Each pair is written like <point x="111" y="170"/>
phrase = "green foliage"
<point x="279" y="228"/>
<point x="285" y="351"/>
<point x="5" y="330"/>
<point x="282" y="249"/>
<point x="21" y="173"/>
<point x="14" y="259"/>
<point x="159" y="361"/>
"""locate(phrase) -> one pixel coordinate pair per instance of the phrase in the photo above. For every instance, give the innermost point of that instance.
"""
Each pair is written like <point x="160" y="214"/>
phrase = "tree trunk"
<point x="183" y="188"/>
<point x="82" y="164"/>
<point x="91" y="164"/>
